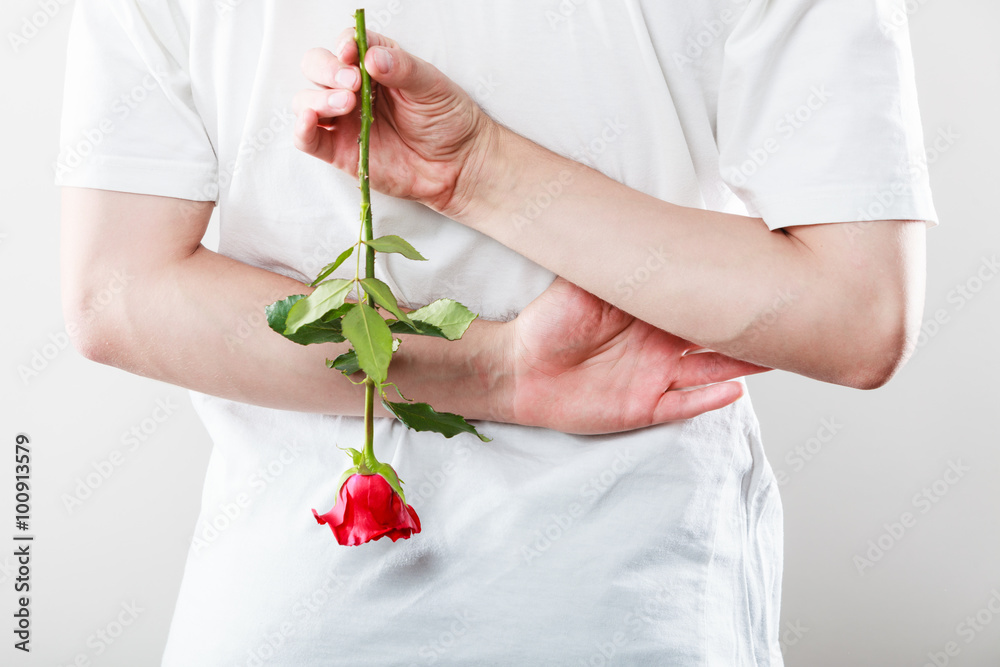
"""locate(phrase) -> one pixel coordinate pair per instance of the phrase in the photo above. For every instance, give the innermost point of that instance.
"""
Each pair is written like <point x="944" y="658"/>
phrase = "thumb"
<point x="395" y="68"/>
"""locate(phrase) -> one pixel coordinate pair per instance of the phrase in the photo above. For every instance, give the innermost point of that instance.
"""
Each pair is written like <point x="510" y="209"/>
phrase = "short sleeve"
<point x="129" y="121"/>
<point x="818" y="119"/>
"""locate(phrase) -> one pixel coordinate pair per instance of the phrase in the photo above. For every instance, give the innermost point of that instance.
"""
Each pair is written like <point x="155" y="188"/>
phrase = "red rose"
<point x="368" y="508"/>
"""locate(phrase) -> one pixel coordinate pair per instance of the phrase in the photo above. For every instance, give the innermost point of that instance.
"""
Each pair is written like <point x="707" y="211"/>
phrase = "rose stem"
<point x="366" y="210"/>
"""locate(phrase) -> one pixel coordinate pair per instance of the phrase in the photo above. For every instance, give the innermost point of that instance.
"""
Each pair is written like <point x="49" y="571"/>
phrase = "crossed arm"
<point x="849" y="294"/>
<point x="815" y="300"/>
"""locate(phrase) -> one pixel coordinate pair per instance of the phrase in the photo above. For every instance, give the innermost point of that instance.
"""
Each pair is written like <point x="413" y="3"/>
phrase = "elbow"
<point x="95" y="348"/>
<point x="877" y="371"/>
<point x="87" y="314"/>
<point x="879" y="350"/>
<point x="85" y="336"/>
<point x="863" y="301"/>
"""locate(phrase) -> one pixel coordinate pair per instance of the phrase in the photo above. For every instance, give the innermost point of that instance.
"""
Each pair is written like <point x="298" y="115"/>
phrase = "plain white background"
<point x="864" y="583"/>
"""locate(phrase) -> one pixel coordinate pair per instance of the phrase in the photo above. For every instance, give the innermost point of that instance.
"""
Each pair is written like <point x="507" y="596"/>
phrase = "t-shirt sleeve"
<point x="818" y="119"/>
<point x="129" y="120"/>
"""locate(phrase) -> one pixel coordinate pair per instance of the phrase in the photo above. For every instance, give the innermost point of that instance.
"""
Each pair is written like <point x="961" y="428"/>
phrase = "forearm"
<point x="721" y="280"/>
<point x="198" y="322"/>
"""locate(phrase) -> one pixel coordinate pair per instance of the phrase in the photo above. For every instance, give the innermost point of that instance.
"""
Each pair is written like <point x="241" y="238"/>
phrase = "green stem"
<point x="364" y="141"/>
<point x="369" y="451"/>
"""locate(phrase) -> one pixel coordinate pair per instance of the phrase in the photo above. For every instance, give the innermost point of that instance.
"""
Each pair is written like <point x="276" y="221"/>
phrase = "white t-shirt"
<point x="661" y="546"/>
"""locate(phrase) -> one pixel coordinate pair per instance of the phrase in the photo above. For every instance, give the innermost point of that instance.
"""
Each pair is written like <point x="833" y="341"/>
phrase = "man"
<point x="654" y="537"/>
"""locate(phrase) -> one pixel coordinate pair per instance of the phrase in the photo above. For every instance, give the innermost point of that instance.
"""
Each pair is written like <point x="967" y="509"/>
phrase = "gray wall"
<point x="889" y="556"/>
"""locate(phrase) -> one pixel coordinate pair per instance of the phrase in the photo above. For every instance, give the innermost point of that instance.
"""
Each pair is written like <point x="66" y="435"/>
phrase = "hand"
<point x="425" y="127"/>
<point x="580" y="365"/>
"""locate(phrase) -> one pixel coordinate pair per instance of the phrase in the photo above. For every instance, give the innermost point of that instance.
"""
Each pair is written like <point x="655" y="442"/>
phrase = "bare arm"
<point x="194" y="318"/>
<point x="836" y="302"/>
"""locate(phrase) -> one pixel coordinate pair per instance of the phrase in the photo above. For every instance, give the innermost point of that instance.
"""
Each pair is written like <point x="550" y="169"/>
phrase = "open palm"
<point x="581" y="365"/>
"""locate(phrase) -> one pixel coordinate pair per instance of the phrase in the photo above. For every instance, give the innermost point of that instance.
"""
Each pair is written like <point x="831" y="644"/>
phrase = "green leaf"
<point x="356" y="456"/>
<point x="415" y="328"/>
<point x="321" y="331"/>
<point x="392" y="243"/>
<point x="346" y="363"/>
<point x="366" y="466"/>
<point x="277" y="312"/>
<point x="396" y="387"/>
<point x="333" y="266"/>
<point x="328" y="296"/>
<point x="384" y="297"/>
<point x="444" y="318"/>
<point x="371" y="338"/>
<point x="422" y="417"/>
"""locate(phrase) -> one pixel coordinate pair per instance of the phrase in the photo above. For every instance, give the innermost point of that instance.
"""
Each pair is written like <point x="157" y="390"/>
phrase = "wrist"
<point x="470" y="376"/>
<point x="477" y="179"/>
<point x="495" y="370"/>
<point x="508" y="182"/>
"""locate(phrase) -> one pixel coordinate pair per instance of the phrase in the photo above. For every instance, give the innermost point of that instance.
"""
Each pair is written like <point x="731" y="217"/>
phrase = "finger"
<point x="324" y="69"/>
<point x="395" y="68"/>
<point x="676" y="404"/>
<point x="708" y="367"/>
<point x="336" y="145"/>
<point x="327" y="103"/>
<point x="347" y="48"/>
<point x="306" y="135"/>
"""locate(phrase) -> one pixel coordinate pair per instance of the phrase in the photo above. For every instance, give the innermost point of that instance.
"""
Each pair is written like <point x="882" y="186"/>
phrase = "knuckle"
<point x="308" y="58"/>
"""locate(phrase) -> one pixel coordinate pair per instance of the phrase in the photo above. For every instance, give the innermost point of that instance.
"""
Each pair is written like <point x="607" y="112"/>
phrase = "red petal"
<point x="369" y="509"/>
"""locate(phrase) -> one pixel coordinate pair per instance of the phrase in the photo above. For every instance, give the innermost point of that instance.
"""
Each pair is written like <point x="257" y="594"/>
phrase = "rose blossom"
<point x="368" y="508"/>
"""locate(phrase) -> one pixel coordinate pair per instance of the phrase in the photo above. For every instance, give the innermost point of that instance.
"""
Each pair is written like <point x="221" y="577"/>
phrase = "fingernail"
<point x="346" y="77"/>
<point x="383" y="60"/>
<point x="340" y="99"/>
